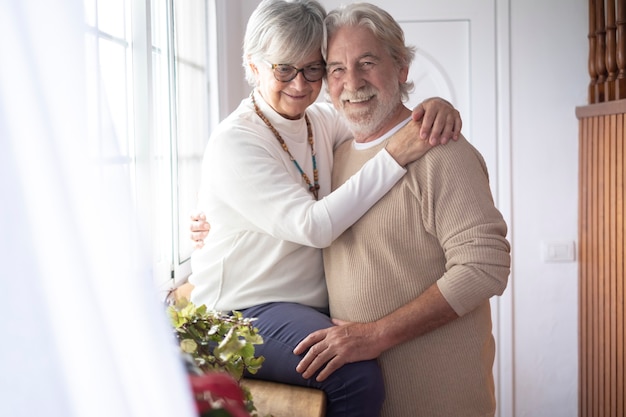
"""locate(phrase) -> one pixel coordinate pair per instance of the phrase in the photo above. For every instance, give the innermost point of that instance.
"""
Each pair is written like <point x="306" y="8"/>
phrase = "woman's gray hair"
<point x="283" y="32"/>
<point x="383" y="26"/>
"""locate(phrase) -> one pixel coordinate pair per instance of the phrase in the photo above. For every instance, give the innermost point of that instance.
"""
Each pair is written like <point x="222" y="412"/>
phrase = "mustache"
<point x="361" y="94"/>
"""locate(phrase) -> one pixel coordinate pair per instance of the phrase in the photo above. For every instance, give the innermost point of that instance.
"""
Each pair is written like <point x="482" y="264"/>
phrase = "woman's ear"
<point x="253" y="67"/>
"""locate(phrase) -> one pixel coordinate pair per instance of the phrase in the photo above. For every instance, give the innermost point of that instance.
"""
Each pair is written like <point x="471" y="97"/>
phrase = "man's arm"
<point x="472" y="235"/>
<point x="331" y="348"/>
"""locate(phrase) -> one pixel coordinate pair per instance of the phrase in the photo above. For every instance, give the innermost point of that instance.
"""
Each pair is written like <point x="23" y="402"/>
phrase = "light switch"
<point x="558" y="251"/>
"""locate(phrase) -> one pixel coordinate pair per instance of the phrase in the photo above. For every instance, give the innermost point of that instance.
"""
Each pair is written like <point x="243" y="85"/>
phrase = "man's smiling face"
<point x="363" y="79"/>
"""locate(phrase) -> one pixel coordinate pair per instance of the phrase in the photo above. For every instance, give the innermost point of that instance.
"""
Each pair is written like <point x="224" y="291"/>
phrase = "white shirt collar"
<point x="372" y="143"/>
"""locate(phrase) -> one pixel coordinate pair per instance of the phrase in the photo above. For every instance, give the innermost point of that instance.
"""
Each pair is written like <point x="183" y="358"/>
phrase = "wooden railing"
<point x="607" y="50"/>
<point x="602" y="227"/>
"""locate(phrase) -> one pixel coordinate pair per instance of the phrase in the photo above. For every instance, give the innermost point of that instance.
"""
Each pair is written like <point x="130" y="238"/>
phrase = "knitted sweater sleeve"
<point x="458" y="208"/>
<point x="251" y="178"/>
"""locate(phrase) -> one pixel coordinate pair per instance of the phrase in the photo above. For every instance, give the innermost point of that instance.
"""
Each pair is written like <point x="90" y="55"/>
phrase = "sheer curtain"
<point x="72" y="342"/>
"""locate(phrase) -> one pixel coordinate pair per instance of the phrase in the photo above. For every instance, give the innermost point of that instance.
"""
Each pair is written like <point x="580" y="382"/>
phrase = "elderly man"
<point x="410" y="282"/>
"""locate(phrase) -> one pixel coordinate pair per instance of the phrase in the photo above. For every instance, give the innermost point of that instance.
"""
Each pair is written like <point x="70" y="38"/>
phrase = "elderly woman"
<point x="266" y="190"/>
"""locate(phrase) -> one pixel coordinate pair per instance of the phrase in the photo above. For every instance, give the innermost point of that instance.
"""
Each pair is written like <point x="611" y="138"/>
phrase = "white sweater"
<point x="266" y="227"/>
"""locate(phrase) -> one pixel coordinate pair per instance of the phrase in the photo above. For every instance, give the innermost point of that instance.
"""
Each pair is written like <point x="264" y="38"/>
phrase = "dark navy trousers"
<point x="354" y="390"/>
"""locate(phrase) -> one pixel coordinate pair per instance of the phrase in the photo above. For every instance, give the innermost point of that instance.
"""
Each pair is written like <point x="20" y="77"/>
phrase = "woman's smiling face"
<point x="290" y="99"/>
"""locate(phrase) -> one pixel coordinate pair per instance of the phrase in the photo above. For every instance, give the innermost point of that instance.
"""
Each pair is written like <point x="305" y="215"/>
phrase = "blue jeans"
<point x="354" y="390"/>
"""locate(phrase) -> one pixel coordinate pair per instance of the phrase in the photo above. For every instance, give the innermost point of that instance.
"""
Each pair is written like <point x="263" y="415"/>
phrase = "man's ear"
<point x="403" y="73"/>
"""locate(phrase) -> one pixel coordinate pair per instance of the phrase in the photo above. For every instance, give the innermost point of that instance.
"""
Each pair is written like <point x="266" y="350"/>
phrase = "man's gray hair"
<point x="283" y="32"/>
<point x="383" y="26"/>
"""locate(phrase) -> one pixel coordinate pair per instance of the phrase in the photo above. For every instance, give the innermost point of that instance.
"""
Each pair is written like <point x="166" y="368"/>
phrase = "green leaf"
<point x="188" y="346"/>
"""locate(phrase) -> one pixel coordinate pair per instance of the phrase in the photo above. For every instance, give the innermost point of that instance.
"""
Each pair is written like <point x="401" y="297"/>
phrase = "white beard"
<point x="365" y="122"/>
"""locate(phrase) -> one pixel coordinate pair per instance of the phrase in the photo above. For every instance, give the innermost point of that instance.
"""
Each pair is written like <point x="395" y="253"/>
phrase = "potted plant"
<point x="219" y="348"/>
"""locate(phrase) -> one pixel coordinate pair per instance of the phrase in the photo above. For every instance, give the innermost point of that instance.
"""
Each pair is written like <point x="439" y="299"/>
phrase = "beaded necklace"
<point x="313" y="188"/>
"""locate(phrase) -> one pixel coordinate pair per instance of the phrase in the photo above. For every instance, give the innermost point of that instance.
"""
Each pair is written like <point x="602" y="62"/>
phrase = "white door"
<point x="456" y="59"/>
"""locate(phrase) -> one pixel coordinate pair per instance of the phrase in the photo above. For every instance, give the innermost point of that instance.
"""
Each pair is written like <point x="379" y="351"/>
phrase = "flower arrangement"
<point x="222" y="349"/>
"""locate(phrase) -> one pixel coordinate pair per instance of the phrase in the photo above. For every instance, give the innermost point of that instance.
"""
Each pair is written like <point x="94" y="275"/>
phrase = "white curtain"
<point x="81" y="330"/>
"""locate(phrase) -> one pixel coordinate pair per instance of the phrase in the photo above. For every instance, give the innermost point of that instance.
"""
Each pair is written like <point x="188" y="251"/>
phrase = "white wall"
<point x="548" y="80"/>
<point x="546" y="41"/>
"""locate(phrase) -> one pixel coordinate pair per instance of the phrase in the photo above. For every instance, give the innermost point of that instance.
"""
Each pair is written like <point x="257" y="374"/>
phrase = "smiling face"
<point x="290" y="99"/>
<point x="364" y="81"/>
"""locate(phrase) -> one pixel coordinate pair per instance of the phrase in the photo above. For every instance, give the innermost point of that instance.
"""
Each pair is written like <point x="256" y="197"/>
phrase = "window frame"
<point x="145" y="165"/>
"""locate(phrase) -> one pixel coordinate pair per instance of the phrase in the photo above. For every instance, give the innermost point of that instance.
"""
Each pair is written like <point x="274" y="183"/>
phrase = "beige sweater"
<point x="438" y="224"/>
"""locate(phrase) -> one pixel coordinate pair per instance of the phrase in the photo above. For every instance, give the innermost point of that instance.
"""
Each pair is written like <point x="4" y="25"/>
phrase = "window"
<point x="147" y="63"/>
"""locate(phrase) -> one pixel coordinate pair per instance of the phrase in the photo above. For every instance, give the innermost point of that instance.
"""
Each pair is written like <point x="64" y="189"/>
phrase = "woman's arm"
<point x="440" y="123"/>
<point x="248" y="184"/>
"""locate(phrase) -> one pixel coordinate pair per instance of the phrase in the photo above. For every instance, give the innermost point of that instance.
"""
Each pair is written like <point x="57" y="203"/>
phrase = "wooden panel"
<point x="601" y="273"/>
<point x="620" y="273"/>
<point x="282" y="400"/>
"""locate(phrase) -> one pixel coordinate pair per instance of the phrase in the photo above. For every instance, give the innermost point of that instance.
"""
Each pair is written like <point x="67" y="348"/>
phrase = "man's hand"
<point x="199" y="229"/>
<point x="329" y="349"/>
<point x="440" y="120"/>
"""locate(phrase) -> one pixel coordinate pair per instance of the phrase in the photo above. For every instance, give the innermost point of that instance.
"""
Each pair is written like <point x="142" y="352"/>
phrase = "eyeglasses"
<point x="311" y="73"/>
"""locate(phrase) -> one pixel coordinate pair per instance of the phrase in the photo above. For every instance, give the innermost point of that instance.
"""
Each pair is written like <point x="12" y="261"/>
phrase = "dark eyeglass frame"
<point x="296" y="71"/>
